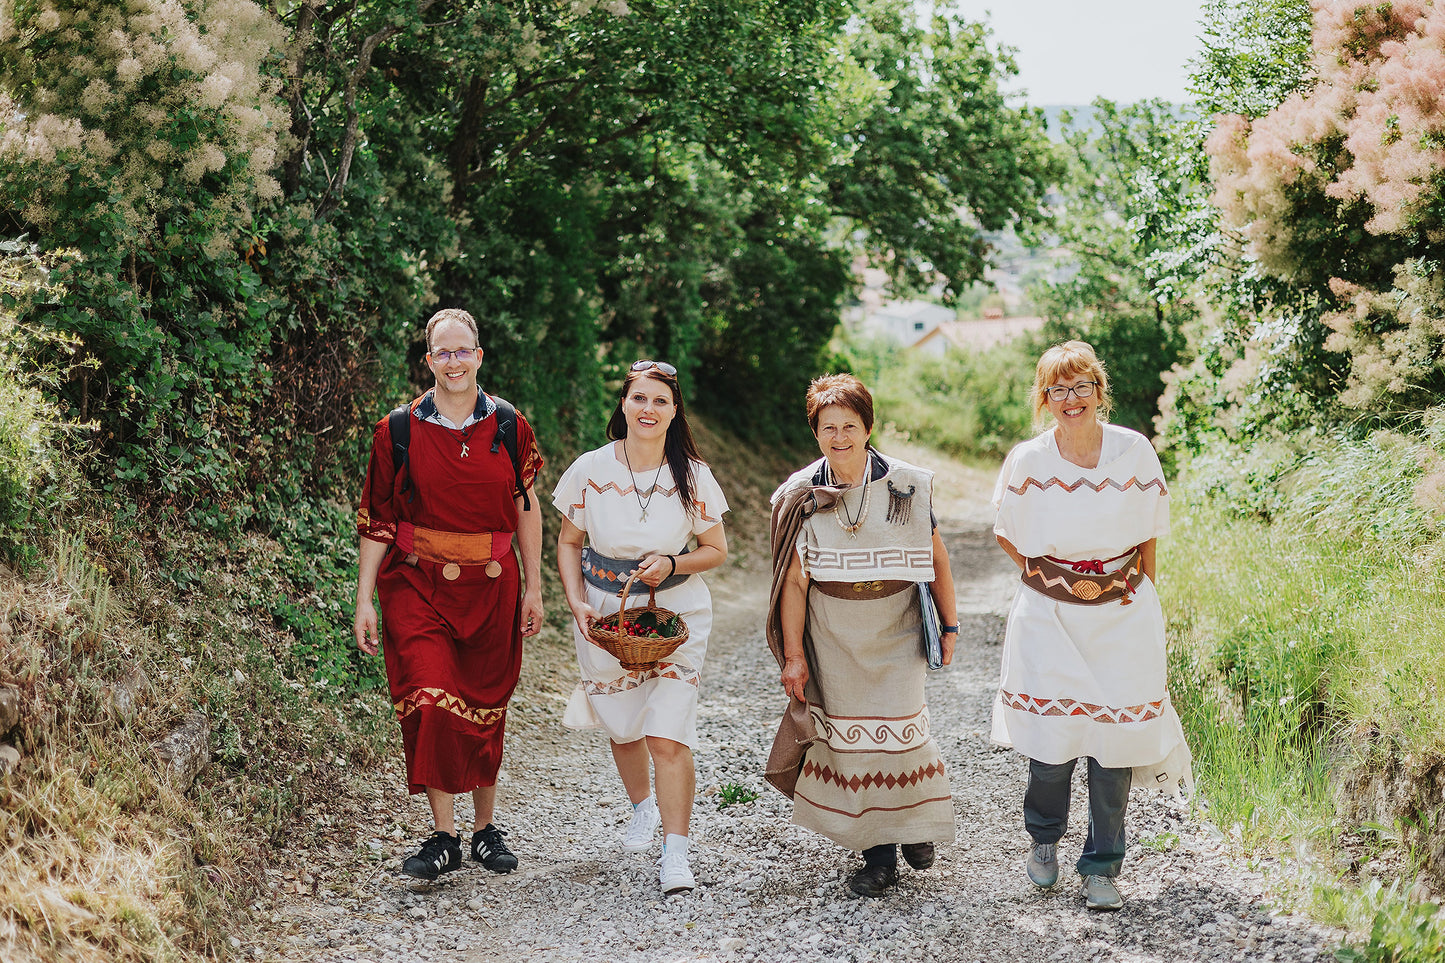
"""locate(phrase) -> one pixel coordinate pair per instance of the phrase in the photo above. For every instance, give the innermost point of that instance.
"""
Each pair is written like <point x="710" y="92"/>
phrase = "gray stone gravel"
<point x="769" y="891"/>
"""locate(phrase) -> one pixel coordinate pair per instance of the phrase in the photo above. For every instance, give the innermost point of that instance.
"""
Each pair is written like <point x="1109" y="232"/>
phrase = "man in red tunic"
<point x="437" y="545"/>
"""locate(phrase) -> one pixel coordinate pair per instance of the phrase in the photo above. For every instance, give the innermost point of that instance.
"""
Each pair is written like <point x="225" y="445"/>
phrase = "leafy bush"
<point x="966" y="403"/>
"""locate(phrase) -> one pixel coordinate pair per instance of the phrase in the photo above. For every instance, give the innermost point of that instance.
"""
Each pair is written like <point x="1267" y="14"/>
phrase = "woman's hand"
<point x="795" y="678"/>
<point x="653" y="569"/>
<point x="945" y="646"/>
<point x="584" y="615"/>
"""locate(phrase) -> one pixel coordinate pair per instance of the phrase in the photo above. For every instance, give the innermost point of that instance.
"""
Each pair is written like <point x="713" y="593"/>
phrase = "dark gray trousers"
<point x="1046" y="812"/>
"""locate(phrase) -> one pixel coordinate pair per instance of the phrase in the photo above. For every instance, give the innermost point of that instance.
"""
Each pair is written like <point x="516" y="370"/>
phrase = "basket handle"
<point x="626" y="593"/>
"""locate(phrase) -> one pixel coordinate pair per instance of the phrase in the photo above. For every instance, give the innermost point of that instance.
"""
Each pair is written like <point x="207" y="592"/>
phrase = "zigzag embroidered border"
<point x="1085" y="483"/>
<point x="635" y="678"/>
<point x="444" y="700"/>
<point x="572" y="509"/>
<point x="873" y="780"/>
<point x="1070" y="707"/>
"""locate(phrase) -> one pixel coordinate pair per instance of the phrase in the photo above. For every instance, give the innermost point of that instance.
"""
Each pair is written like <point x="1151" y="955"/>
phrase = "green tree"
<point x="1124" y="184"/>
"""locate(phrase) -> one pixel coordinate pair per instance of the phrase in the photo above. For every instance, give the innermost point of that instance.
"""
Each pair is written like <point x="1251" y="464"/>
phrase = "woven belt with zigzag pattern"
<point x="1077" y="584"/>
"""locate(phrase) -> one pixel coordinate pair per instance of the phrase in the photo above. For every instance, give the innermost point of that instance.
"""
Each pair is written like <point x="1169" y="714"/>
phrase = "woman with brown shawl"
<point x="854" y="549"/>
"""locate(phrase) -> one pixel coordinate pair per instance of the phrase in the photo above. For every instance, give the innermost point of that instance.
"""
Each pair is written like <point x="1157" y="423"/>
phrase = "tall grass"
<point x="1297" y="641"/>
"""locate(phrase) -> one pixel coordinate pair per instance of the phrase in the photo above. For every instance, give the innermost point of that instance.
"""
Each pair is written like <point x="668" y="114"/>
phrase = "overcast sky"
<point x="1071" y="51"/>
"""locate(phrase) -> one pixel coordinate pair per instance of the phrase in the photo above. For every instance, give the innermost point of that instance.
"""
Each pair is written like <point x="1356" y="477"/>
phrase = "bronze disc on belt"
<point x="450" y="571"/>
<point x="1087" y="591"/>
<point x="493" y="569"/>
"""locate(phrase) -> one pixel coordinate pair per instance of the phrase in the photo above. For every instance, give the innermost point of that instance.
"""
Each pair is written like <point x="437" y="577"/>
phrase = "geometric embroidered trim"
<point x="444" y="700"/>
<point x="635" y="678"/>
<point x="1083" y="588"/>
<point x="1106" y="483"/>
<point x="865" y="559"/>
<point x="1069" y="707"/>
<point x="572" y="509"/>
<point x="872" y="780"/>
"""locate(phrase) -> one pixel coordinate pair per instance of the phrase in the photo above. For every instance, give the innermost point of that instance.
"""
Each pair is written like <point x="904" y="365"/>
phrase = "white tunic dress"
<point x="1087" y="680"/>
<point x="597" y="495"/>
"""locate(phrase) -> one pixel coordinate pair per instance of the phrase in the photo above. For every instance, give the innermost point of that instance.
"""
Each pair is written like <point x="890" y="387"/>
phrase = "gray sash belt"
<point x="610" y="574"/>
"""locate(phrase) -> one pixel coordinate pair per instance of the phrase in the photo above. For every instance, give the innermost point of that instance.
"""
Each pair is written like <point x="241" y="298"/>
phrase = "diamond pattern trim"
<point x="872" y="780"/>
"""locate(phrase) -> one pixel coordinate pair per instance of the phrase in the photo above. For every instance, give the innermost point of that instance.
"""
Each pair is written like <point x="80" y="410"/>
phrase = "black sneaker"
<point x="489" y="849"/>
<point x="440" y="853"/>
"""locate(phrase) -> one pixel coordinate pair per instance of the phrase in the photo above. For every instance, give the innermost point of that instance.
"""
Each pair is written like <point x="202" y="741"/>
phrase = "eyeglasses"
<point x="461" y="354"/>
<point x="662" y="366"/>
<point x="1084" y="389"/>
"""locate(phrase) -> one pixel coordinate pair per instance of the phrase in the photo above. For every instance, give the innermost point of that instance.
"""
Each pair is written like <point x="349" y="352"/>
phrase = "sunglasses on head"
<point x="662" y="366"/>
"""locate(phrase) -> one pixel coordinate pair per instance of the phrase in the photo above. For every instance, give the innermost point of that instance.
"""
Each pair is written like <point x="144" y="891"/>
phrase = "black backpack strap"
<point x="507" y="435"/>
<point x="399" y="424"/>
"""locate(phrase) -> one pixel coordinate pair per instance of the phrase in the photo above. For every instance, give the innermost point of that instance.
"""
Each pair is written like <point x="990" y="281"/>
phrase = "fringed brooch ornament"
<point x="900" y="504"/>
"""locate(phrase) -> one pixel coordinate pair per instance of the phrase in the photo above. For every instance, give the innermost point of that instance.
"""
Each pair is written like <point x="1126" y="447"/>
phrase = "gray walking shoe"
<point x="1100" y="893"/>
<point x="1043" y="865"/>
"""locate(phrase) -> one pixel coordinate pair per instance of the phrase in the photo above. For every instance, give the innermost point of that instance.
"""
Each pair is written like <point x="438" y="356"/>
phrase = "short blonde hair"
<point x="452" y="314"/>
<point x="1072" y="359"/>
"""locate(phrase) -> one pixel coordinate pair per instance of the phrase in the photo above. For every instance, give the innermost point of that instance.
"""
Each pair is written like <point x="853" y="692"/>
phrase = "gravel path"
<point x="768" y="891"/>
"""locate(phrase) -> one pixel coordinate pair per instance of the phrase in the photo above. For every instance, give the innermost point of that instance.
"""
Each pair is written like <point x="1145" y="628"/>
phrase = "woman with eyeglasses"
<point x="858" y="565"/>
<point x="1080" y="509"/>
<point x="633" y="505"/>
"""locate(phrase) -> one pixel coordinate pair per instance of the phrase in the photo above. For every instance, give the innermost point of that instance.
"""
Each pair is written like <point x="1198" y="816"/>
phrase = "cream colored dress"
<point x="1087" y="680"/>
<point x="597" y="495"/>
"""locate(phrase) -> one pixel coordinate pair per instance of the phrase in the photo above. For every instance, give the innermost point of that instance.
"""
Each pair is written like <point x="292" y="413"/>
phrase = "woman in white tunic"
<point x="1080" y="508"/>
<point x="633" y="504"/>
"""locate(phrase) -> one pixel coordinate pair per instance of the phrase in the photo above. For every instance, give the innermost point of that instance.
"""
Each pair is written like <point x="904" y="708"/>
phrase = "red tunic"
<point x="453" y="648"/>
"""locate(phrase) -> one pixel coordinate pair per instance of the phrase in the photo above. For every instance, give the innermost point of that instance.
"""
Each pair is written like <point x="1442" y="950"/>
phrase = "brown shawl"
<point x="796" y="730"/>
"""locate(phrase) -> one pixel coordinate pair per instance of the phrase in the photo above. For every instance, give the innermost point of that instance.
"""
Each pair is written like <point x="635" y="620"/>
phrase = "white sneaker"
<point x="637" y="837"/>
<point x="673" y="873"/>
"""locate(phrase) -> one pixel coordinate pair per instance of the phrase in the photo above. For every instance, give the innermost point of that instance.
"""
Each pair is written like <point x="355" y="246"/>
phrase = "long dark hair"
<point x="678" y="447"/>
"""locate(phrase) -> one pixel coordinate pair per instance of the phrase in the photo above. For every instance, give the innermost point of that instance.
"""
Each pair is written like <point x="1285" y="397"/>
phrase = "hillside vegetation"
<point x="223" y="225"/>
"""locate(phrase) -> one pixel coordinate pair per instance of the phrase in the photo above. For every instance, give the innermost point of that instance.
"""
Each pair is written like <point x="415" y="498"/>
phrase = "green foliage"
<point x="36" y="479"/>
<point x="931" y="137"/>
<point x="1123" y="190"/>
<point x="965" y="403"/>
<point x="267" y="201"/>
<point x="1253" y="55"/>
<point x="1401" y="931"/>
<point x="734" y="794"/>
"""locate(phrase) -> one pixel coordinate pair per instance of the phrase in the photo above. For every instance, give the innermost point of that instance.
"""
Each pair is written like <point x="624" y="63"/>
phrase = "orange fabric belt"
<point x="461" y="548"/>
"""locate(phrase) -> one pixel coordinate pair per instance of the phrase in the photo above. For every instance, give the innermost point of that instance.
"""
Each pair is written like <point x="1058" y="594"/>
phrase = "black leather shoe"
<point x="918" y="855"/>
<point x="873" y="880"/>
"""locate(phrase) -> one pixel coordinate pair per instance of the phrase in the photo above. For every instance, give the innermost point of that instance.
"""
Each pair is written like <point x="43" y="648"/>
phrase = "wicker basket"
<point x="635" y="653"/>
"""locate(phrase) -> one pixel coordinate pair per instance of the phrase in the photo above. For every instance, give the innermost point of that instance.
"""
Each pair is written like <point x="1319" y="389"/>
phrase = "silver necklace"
<point x="845" y="522"/>
<point x="641" y="503"/>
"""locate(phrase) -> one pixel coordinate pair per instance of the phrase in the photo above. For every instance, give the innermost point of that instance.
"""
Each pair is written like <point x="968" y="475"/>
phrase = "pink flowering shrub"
<point x="1341" y="190"/>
